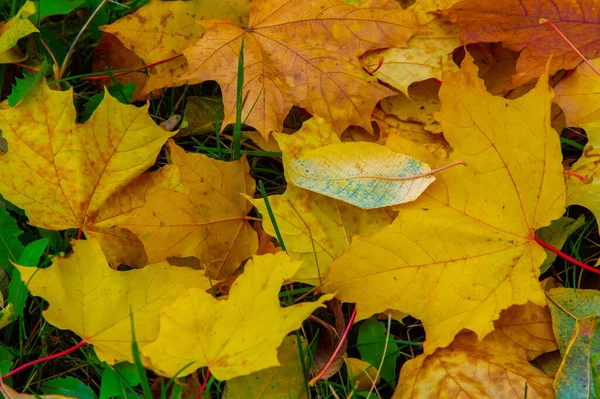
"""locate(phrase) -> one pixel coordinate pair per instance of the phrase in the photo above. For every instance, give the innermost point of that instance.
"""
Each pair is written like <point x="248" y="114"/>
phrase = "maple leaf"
<point x="283" y="381"/>
<point x="575" y="319"/>
<point x="464" y="250"/>
<point x="496" y="367"/>
<point x="516" y="23"/>
<point x="66" y="175"/>
<point x="299" y="53"/>
<point x="161" y="30"/>
<point x="205" y="216"/>
<point x="579" y="94"/>
<point x="233" y="337"/>
<point x="315" y="229"/>
<point x="14" y="29"/>
<point x="8" y="392"/>
<point x="81" y="287"/>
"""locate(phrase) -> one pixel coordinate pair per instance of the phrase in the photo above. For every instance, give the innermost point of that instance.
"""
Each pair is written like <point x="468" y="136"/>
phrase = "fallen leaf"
<point x="328" y="341"/>
<point x="161" y="30"/>
<point x="476" y="222"/>
<point x="85" y="176"/>
<point x="575" y="316"/>
<point x="111" y="53"/>
<point x="579" y="94"/>
<point x="205" y="216"/>
<point x="201" y="116"/>
<point x="495" y="367"/>
<point x="234" y="337"/>
<point x="81" y="287"/>
<point x="299" y="53"/>
<point x="283" y="381"/>
<point x="315" y="229"/>
<point x="517" y="24"/>
<point x="14" y="29"/>
<point x="366" y="175"/>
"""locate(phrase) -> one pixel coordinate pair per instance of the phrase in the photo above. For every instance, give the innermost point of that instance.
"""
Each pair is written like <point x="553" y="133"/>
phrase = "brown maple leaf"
<point x="300" y="53"/>
<point x="517" y="24"/>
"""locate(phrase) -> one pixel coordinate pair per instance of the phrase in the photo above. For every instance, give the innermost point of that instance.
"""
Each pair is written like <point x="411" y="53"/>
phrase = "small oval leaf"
<point x="363" y="174"/>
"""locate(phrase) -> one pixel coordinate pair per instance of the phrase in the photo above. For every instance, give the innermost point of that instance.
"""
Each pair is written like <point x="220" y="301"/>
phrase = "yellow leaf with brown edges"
<point x="476" y="222"/>
<point x="94" y="301"/>
<point x="198" y="330"/>
<point x="205" y="217"/>
<point x="497" y="367"/>
<point x="84" y="176"/>
<point x="299" y="53"/>
<point x="161" y="30"/>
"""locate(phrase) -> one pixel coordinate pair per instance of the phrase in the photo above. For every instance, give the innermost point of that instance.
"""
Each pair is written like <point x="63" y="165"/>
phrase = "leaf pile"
<point x="418" y="160"/>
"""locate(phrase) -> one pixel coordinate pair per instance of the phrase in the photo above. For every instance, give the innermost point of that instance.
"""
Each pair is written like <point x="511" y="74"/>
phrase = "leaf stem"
<point x="204" y="384"/>
<point x="372" y="71"/>
<point x="316" y="379"/>
<point x="45" y="359"/>
<point x="576" y="175"/>
<point x="565" y="256"/>
<point x="566" y="39"/>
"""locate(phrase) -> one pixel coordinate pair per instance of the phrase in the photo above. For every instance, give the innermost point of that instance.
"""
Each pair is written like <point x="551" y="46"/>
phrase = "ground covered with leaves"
<point x="296" y="199"/>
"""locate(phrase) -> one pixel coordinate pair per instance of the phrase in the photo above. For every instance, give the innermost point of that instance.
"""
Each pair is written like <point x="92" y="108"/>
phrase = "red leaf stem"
<point x="313" y="382"/>
<point x="204" y="384"/>
<point x="565" y="256"/>
<point x="566" y="39"/>
<point x="45" y="359"/>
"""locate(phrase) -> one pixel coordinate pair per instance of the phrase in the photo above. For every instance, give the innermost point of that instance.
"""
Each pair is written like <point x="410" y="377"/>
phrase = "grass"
<point x="30" y="337"/>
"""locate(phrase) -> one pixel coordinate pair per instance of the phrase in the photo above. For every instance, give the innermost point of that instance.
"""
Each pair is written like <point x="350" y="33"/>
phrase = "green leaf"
<point x="10" y="246"/>
<point x="17" y="290"/>
<point x="576" y="324"/>
<point x="68" y="386"/>
<point x="23" y="86"/>
<point x="57" y="7"/>
<point x="556" y="235"/>
<point x="371" y="343"/>
<point x="118" y="381"/>
<point x="6" y="360"/>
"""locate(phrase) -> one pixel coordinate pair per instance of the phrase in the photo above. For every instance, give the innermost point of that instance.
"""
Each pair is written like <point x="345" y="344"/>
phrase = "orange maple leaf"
<point x="300" y="53"/>
<point x="517" y="24"/>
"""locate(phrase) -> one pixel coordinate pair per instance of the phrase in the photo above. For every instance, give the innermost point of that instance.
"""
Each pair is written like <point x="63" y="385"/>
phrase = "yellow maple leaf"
<point x="578" y="95"/>
<point x="497" y="367"/>
<point x="315" y="229"/>
<point x="14" y="29"/>
<point x="465" y="249"/>
<point x="94" y="301"/>
<point x="66" y="175"/>
<point x="161" y="30"/>
<point x="205" y="216"/>
<point x="299" y="53"/>
<point x="233" y="337"/>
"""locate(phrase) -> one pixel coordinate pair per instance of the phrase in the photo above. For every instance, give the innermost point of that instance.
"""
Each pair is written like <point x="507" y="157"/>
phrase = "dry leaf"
<point x="94" y="301"/>
<point x="234" y="337"/>
<point x="579" y="94"/>
<point x="476" y="222"/>
<point x="299" y="53"/>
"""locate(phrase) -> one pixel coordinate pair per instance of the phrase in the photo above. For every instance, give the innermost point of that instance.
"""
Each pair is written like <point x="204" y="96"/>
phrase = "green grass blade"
<point x="261" y="186"/>
<point x="138" y="360"/>
<point x="237" y="133"/>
